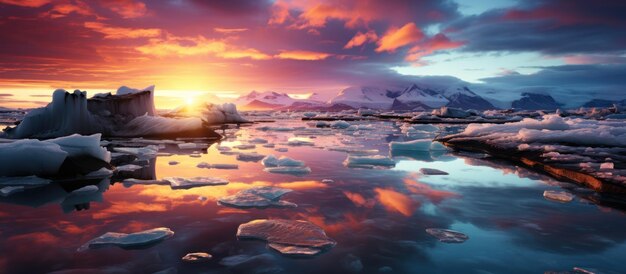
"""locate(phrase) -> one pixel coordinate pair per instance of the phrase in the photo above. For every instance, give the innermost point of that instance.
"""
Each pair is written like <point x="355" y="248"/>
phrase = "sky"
<point x="193" y="49"/>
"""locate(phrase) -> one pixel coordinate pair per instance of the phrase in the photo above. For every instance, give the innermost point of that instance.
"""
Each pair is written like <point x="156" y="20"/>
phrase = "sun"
<point x="189" y="101"/>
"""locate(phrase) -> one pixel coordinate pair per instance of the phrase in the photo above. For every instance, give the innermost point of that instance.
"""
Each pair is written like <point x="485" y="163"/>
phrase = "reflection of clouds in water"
<point x="377" y="215"/>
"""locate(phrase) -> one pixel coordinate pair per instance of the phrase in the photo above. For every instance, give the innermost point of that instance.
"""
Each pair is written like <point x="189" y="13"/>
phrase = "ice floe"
<point x="197" y="257"/>
<point x="447" y="235"/>
<point x="290" y="237"/>
<point x="368" y="161"/>
<point x="258" y="197"/>
<point x="272" y="161"/>
<point x="186" y="183"/>
<point x="34" y="157"/>
<point x="292" y="170"/>
<point x="432" y="171"/>
<point x="217" y="166"/>
<point x="250" y="157"/>
<point x="135" y="240"/>
<point x="558" y="196"/>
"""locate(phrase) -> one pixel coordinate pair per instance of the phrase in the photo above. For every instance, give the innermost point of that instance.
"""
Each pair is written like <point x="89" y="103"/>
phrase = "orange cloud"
<point x="399" y="37"/>
<point x="436" y="43"/>
<point x="228" y="31"/>
<point x="66" y="8"/>
<point x="279" y="13"/>
<point x="361" y="38"/>
<point x="126" y="8"/>
<point x="359" y="200"/>
<point x="302" y="55"/>
<point x="199" y="45"/>
<point x="396" y="201"/>
<point x="121" y="33"/>
<point x="26" y="3"/>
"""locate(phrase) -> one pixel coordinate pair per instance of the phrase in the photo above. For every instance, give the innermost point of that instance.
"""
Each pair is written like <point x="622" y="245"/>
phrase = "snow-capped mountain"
<point x="535" y="101"/>
<point x="413" y="97"/>
<point x="275" y="100"/>
<point x="367" y="97"/>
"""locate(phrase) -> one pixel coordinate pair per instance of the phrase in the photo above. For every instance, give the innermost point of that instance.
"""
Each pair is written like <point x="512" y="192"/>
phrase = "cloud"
<point x="399" y="37"/>
<point x="126" y="8"/>
<point x="279" y="13"/>
<point x="111" y="32"/>
<point x="550" y="27"/>
<point x="436" y="43"/>
<point x="302" y="55"/>
<point x="229" y="31"/>
<point x="26" y="3"/>
<point x="65" y="8"/>
<point x="190" y="46"/>
<point x="361" y="38"/>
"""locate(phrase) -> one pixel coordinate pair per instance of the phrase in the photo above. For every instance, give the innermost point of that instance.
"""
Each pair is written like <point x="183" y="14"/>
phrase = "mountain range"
<point x="414" y="97"/>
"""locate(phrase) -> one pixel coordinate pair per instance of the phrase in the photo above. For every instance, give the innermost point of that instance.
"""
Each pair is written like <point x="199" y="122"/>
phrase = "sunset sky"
<point x="190" y="48"/>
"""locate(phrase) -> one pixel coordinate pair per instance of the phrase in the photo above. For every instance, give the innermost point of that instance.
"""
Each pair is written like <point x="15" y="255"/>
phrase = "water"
<point x="377" y="216"/>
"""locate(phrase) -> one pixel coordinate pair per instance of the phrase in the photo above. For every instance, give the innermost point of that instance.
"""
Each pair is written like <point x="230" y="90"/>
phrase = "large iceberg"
<point x="45" y="158"/>
<point x="128" y="113"/>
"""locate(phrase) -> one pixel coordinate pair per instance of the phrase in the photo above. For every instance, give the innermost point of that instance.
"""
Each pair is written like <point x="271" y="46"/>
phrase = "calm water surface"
<point x="377" y="216"/>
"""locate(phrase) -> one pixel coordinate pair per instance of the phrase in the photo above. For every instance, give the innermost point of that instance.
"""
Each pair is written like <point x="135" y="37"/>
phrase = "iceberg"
<point x="135" y="240"/>
<point x="250" y="157"/>
<point x="128" y="113"/>
<point x="257" y="197"/>
<point x="368" y="161"/>
<point x="432" y="171"/>
<point x="447" y="235"/>
<point x="292" y="170"/>
<point x="186" y="183"/>
<point x="558" y="196"/>
<point x="196" y="257"/>
<point x="287" y="236"/>
<point x="272" y="161"/>
<point x="45" y="158"/>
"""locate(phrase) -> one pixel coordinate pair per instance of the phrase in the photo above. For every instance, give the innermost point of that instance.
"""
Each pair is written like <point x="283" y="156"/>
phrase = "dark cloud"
<point x="550" y="27"/>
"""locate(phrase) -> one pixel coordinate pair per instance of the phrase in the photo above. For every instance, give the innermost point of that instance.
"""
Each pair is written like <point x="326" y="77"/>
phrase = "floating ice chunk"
<point x="272" y="161"/>
<point x="172" y="163"/>
<point x="309" y="114"/>
<point x="245" y="147"/>
<point x="192" y="146"/>
<point x="132" y="181"/>
<point x="447" y="235"/>
<point x="197" y="257"/>
<point x="31" y="157"/>
<point x="10" y="190"/>
<point x="432" y="171"/>
<point x="282" y="149"/>
<point x="558" y="196"/>
<point x="85" y="190"/>
<point x="250" y="157"/>
<point x="259" y="197"/>
<point x="355" y="150"/>
<point x="79" y="145"/>
<point x="223" y="148"/>
<point x="304" y="238"/>
<point x="135" y="240"/>
<point x="141" y="152"/>
<point x="186" y="183"/>
<point x="217" y="166"/>
<point x="328" y="181"/>
<point x="128" y="168"/>
<point x="418" y="145"/>
<point x="293" y="170"/>
<point x="195" y="155"/>
<point x="368" y="161"/>
<point x="28" y="181"/>
<point x="258" y="141"/>
<point x="366" y="112"/>
<point x="224" y="166"/>
<point x="340" y="124"/>
<point x="299" y="142"/>
<point x="103" y="172"/>
<point x="269" y="145"/>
